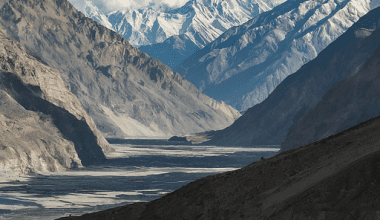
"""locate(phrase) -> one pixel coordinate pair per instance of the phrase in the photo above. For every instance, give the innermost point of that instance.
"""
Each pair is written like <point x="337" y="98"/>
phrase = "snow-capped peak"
<point x="201" y="20"/>
<point x="89" y="9"/>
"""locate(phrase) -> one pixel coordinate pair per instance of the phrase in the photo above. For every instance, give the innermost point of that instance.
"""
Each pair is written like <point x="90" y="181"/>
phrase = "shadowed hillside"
<point x="335" y="178"/>
<point x="349" y="102"/>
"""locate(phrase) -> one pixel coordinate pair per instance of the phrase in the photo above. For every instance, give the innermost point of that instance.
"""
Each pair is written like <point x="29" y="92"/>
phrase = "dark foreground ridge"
<point x="335" y="178"/>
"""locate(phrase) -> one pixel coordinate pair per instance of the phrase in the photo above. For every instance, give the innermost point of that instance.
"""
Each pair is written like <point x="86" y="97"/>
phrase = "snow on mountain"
<point x="246" y="63"/>
<point x="296" y="98"/>
<point x="89" y="9"/>
<point x="201" y="20"/>
<point x="172" y="35"/>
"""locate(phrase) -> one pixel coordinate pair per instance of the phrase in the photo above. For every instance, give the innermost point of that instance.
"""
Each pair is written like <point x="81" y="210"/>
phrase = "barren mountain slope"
<point x="269" y="121"/>
<point x="125" y="91"/>
<point x="349" y="102"/>
<point x="246" y="63"/>
<point x="43" y="125"/>
<point x="335" y="178"/>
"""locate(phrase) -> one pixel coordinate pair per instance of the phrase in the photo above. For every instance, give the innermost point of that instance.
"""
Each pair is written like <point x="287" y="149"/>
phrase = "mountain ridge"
<point x="164" y="32"/>
<point x="349" y="102"/>
<point x="269" y="121"/>
<point x="246" y="63"/>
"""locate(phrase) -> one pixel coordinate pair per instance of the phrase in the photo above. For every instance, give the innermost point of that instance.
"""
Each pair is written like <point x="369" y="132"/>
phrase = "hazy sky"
<point x="110" y="5"/>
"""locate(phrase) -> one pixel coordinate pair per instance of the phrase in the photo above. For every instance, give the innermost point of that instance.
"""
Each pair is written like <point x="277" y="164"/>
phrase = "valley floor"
<point x="139" y="170"/>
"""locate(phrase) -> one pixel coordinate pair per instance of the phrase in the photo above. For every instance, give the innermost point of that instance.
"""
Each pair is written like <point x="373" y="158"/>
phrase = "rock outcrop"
<point x="270" y="121"/>
<point x="43" y="125"/>
<point x="335" y="178"/>
<point x="348" y="103"/>
<point x="125" y="91"/>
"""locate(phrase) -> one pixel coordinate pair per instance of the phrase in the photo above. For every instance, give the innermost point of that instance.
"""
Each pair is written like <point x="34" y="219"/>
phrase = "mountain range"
<point x="246" y="63"/>
<point x="269" y="122"/>
<point x="174" y="34"/>
<point x="125" y="91"/>
<point x="336" y="177"/>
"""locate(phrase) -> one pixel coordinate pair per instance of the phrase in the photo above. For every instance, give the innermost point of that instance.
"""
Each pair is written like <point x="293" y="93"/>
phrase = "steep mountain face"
<point x="173" y="35"/>
<point x="246" y="63"/>
<point x="269" y="121"/>
<point x="336" y="178"/>
<point x="125" y="91"/>
<point x="43" y="125"/>
<point x="350" y="102"/>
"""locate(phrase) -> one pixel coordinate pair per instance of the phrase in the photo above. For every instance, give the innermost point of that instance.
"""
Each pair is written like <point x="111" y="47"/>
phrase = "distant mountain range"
<point x="172" y="35"/>
<point x="246" y="63"/>
<point x="126" y="92"/>
<point x="269" y="122"/>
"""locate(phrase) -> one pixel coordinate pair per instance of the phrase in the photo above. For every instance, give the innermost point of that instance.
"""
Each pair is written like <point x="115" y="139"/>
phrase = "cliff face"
<point x="270" y="121"/>
<point x="125" y="91"/>
<point x="43" y="125"/>
<point x="348" y="103"/>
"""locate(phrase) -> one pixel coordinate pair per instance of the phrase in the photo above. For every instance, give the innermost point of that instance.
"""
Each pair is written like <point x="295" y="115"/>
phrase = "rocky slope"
<point x="335" y="178"/>
<point x="43" y="125"/>
<point x="350" y="101"/>
<point x="269" y="121"/>
<point x="246" y="63"/>
<point x="125" y="91"/>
